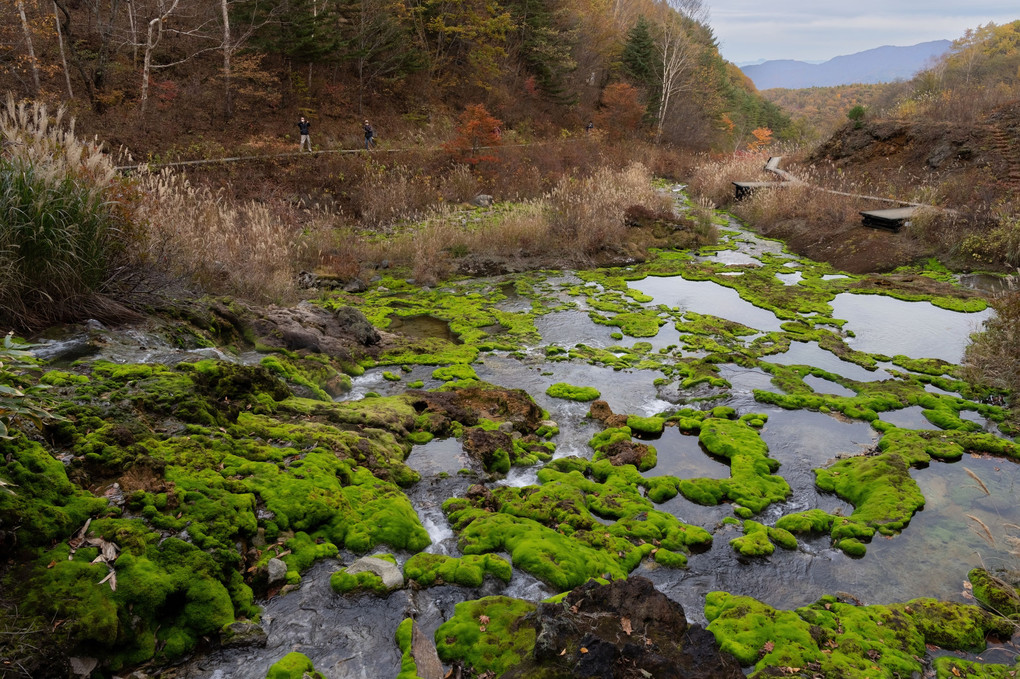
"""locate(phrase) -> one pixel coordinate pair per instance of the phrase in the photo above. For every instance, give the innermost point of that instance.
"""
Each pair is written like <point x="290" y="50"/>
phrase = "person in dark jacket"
<point x="305" y="128"/>
<point x="369" y="135"/>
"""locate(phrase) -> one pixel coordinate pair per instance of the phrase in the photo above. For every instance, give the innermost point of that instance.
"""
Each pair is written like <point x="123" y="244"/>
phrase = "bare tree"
<point x="92" y="66"/>
<point x="678" y="52"/>
<point x="152" y="37"/>
<point x="26" y="29"/>
<point x="63" y="56"/>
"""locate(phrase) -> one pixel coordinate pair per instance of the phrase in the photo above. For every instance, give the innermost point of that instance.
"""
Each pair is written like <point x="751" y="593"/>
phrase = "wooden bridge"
<point x="890" y="219"/>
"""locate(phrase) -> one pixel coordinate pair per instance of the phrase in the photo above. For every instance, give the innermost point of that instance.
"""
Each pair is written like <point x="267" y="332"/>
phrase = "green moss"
<point x="455" y="372"/>
<point x="404" y="633"/>
<point x="646" y="425"/>
<point x="343" y="582"/>
<point x="294" y="665"/>
<point x="567" y="391"/>
<point x="494" y="646"/>
<point x="837" y="639"/>
<point x="470" y="571"/>
<point x="391" y="376"/>
<point x="751" y="483"/>
<point x="59" y="378"/>
<point x="754" y="542"/>
<point x="997" y="591"/>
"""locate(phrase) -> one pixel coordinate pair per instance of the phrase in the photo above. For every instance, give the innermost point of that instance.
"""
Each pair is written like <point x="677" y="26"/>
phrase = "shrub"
<point x="65" y="222"/>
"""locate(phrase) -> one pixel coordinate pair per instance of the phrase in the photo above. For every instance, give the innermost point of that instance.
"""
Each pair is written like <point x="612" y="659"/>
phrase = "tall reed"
<point x="66" y="221"/>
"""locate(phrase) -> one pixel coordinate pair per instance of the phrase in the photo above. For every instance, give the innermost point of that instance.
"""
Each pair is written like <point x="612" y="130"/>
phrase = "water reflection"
<point x="884" y="325"/>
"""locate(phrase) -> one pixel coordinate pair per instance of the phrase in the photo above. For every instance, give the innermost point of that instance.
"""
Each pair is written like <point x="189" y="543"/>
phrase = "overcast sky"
<point x="817" y="30"/>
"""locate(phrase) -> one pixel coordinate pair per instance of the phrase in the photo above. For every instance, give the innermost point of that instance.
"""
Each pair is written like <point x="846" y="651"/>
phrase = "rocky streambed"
<point x="559" y="473"/>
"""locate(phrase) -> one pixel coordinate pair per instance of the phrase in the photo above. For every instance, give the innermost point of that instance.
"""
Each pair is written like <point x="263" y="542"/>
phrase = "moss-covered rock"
<point x="294" y="665"/>
<point x="568" y="391"/>
<point x="470" y="571"/>
<point x="834" y="639"/>
<point x="487" y="634"/>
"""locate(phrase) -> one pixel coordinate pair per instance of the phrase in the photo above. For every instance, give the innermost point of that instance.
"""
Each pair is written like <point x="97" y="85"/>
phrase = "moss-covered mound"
<point x="751" y="485"/>
<point x="834" y="639"/>
<point x="487" y="634"/>
<point x="569" y="391"/>
<point x="552" y="530"/>
<point x="469" y="571"/>
<point x="294" y="666"/>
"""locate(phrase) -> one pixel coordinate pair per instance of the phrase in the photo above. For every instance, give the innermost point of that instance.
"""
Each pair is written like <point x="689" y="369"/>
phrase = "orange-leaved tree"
<point x="621" y="112"/>
<point x="477" y="133"/>
<point x="762" y="138"/>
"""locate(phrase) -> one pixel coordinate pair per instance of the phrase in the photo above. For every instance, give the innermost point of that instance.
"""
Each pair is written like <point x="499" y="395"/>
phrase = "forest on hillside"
<point x="155" y="74"/>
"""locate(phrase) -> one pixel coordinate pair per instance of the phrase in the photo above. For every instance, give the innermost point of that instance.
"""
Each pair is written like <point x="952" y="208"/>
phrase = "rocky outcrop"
<point x="307" y="327"/>
<point x="389" y="573"/>
<point x="624" y="630"/>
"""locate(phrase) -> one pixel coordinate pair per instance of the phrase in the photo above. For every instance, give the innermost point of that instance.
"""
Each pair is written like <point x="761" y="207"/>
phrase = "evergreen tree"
<point x="639" y="54"/>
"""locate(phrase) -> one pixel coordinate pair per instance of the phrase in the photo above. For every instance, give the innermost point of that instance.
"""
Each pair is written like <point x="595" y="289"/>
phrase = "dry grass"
<point x="712" y="178"/>
<point x="587" y="215"/>
<point x="194" y="233"/>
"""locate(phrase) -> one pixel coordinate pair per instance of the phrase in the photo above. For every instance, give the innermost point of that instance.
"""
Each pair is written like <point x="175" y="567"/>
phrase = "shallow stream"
<point x="962" y="525"/>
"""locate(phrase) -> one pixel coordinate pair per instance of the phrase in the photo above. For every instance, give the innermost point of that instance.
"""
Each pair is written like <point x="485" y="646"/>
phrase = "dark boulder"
<point x="624" y="630"/>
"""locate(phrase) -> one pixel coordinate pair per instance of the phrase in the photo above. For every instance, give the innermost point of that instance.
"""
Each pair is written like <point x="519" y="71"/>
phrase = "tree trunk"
<point x="152" y="38"/>
<point x="28" y="43"/>
<point x="228" y="96"/>
<point x="63" y="57"/>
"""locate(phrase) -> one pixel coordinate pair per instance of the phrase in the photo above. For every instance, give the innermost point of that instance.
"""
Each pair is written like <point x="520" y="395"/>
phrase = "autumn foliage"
<point x="621" y="112"/>
<point x="477" y="133"/>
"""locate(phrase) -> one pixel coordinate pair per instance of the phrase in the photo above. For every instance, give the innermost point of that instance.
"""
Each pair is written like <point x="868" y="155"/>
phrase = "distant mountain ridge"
<point x="878" y="65"/>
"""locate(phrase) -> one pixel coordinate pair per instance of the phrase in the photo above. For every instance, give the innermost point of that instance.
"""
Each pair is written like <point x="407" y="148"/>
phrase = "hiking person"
<point x="589" y="127"/>
<point x="369" y="135"/>
<point x="304" y="127"/>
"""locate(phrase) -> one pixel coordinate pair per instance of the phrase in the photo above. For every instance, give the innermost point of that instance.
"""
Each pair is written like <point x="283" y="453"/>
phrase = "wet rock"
<point x="624" y="630"/>
<point x="82" y="667"/>
<point x="307" y="327"/>
<point x="355" y="286"/>
<point x="627" y="452"/>
<point x="389" y="573"/>
<point x="482" y="445"/>
<point x="483" y="498"/>
<point x="277" y="571"/>
<point x="426" y="658"/>
<point x="243" y="634"/>
<point x="600" y="410"/>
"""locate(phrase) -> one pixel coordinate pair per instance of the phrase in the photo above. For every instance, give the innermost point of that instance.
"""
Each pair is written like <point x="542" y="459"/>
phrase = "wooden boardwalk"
<point x="891" y="220"/>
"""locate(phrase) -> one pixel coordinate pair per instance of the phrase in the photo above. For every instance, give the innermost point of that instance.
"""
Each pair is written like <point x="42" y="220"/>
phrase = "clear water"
<point x="883" y="325"/>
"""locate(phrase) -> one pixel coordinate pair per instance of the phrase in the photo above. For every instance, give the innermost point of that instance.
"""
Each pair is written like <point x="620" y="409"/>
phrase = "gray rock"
<point x="356" y="285"/>
<point x="277" y="571"/>
<point x="423" y="650"/>
<point x="243" y="634"/>
<point x="82" y="667"/>
<point x="389" y="573"/>
<point x="481" y="200"/>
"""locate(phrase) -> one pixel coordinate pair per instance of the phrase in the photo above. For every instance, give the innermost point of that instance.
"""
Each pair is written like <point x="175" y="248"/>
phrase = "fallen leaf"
<point x="563" y="652"/>
<point x="625" y="624"/>
<point x="956" y="672"/>
<point x="481" y="628"/>
<point x="51" y="564"/>
<point x="484" y="619"/>
<point x="769" y="645"/>
<point x="584" y="650"/>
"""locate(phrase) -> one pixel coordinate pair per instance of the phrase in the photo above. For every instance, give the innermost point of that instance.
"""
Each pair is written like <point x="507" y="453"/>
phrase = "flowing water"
<point x="961" y="526"/>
